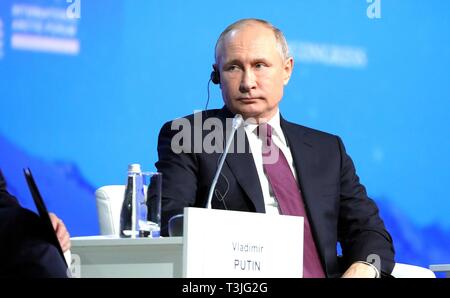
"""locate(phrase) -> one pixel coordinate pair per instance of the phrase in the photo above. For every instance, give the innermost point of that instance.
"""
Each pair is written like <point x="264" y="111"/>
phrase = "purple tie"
<point x="289" y="197"/>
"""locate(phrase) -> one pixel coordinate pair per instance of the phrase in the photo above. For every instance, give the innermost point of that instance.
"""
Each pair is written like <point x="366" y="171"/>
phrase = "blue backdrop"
<point x="84" y="96"/>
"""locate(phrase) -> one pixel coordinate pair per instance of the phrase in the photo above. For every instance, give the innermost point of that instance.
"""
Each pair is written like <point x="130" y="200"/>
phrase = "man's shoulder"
<point x="201" y="114"/>
<point x="308" y="131"/>
<point x="6" y="200"/>
<point x="196" y="118"/>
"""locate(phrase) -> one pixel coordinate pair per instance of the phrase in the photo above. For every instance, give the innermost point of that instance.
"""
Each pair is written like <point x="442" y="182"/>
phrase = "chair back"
<point x="109" y="201"/>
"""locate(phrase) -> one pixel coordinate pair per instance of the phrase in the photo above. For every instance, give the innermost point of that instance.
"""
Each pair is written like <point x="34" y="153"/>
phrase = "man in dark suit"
<point x="312" y="175"/>
<point x="24" y="249"/>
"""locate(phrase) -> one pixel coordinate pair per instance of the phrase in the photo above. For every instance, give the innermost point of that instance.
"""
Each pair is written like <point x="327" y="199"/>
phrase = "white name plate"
<point x="233" y="244"/>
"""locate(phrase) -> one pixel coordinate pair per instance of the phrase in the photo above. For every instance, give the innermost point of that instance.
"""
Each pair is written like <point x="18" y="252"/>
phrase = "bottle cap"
<point x="134" y="168"/>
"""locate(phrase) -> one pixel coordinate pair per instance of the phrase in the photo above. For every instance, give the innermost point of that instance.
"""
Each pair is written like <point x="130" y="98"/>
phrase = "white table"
<point x="110" y="256"/>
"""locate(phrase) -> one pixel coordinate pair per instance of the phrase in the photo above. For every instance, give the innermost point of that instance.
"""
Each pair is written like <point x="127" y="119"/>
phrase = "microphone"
<point x="237" y="122"/>
<point x="175" y="224"/>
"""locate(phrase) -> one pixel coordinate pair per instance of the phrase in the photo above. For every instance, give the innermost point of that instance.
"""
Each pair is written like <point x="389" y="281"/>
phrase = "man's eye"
<point x="232" y="67"/>
<point x="259" y="65"/>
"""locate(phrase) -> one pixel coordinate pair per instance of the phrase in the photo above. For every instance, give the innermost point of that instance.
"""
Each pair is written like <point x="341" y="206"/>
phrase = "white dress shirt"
<point x="255" y="143"/>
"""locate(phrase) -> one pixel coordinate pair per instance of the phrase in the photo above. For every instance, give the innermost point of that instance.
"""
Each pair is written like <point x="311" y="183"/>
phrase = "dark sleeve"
<point x="361" y="231"/>
<point x="178" y="166"/>
<point x="25" y="250"/>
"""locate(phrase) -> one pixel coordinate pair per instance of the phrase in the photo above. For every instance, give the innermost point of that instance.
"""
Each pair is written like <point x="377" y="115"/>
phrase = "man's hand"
<point x="61" y="232"/>
<point x="360" y="270"/>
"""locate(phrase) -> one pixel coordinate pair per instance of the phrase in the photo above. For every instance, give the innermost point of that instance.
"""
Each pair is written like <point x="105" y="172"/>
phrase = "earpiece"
<point x="215" y="76"/>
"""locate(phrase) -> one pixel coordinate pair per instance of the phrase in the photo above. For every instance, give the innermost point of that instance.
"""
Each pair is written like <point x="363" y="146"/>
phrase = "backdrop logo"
<point x="45" y="28"/>
<point x="73" y="11"/>
<point x="374" y="9"/>
<point x="329" y="54"/>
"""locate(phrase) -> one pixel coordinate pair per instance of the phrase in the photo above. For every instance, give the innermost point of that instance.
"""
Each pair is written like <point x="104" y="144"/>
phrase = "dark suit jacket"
<point x="337" y="205"/>
<point x="24" y="250"/>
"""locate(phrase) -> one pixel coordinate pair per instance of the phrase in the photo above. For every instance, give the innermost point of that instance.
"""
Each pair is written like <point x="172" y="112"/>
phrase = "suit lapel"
<point x="242" y="165"/>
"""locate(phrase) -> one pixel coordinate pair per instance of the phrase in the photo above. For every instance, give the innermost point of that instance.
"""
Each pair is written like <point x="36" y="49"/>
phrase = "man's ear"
<point x="288" y="67"/>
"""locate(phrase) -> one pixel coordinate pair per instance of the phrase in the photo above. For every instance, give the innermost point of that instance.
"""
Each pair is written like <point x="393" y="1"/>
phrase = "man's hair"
<point x="279" y="36"/>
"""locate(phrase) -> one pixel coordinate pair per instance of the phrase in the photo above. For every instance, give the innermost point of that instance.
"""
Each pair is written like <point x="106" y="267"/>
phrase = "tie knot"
<point x="265" y="133"/>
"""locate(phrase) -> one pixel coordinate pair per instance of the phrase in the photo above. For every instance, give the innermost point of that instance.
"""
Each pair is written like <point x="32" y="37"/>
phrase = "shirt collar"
<point x="274" y="122"/>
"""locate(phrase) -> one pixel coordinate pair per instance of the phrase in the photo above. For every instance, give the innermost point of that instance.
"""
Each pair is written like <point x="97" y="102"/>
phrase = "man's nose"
<point x="248" y="82"/>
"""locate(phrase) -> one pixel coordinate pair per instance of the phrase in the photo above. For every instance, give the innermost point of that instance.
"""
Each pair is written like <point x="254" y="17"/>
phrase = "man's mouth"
<point x="249" y="99"/>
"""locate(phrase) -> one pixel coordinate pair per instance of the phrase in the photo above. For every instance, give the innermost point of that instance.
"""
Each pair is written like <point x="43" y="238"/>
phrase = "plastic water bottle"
<point x="133" y="216"/>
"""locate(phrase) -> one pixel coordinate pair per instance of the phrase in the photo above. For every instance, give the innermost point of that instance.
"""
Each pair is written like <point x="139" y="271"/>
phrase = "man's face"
<point x="252" y="71"/>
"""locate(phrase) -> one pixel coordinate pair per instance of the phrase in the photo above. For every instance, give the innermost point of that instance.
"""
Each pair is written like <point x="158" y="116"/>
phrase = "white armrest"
<point x="411" y="271"/>
<point x="109" y="204"/>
